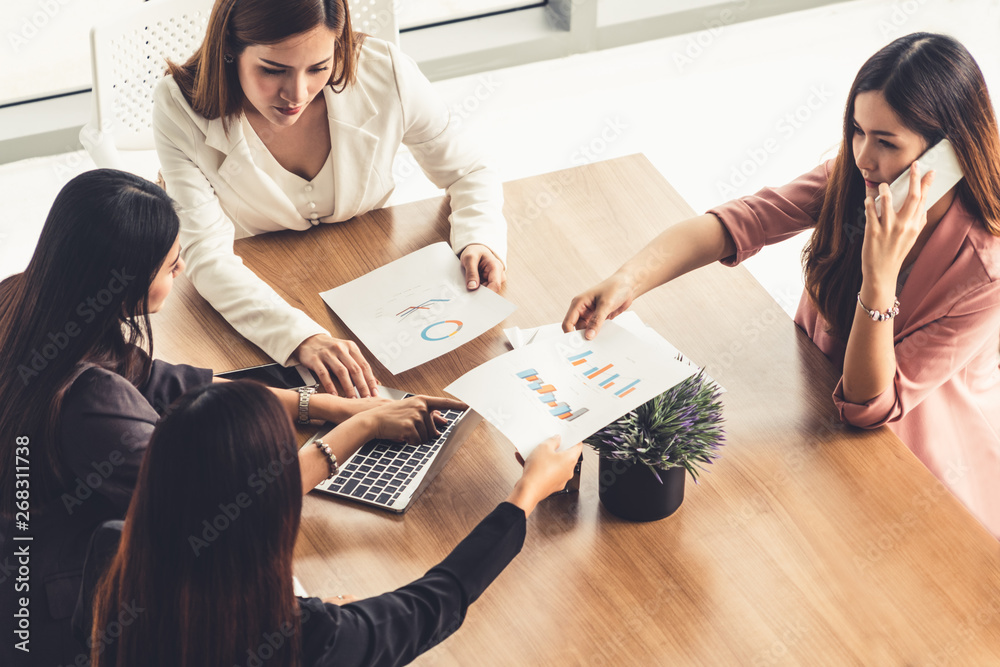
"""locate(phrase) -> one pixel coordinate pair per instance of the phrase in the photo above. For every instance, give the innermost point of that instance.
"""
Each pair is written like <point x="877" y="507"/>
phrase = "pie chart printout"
<point x="416" y="308"/>
<point x="441" y="330"/>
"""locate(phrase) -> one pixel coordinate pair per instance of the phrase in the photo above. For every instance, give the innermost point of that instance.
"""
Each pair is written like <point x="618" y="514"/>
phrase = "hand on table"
<point x="546" y="471"/>
<point x="889" y="238"/>
<point x="412" y="420"/>
<point x="337" y="365"/>
<point x="606" y="300"/>
<point x="482" y="267"/>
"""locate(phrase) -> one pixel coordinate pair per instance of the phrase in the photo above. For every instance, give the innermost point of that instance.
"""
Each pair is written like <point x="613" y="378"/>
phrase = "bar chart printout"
<point x="546" y="394"/>
<point x="606" y="376"/>
<point x="568" y="386"/>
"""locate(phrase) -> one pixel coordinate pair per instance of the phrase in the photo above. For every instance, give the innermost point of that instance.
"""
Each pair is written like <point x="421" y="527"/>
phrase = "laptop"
<point x="391" y="475"/>
<point x="384" y="474"/>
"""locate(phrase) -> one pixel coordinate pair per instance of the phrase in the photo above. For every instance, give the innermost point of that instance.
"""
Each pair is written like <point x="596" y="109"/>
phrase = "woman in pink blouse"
<point x="932" y="371"/>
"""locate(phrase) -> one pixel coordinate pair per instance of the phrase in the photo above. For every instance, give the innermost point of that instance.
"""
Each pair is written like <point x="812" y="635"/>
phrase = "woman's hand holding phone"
<point x="890" y="236"/>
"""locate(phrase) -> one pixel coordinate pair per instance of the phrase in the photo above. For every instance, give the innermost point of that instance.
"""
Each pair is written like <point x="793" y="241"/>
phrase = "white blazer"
<point x="222" y="195"/>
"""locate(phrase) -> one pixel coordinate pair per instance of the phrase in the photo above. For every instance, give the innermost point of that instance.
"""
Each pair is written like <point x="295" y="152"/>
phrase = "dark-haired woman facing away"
<point x="80" y="392"/>
<point x="285" y="118"/>
<point x="930" y="372"/>
<point x="185" y="604"/>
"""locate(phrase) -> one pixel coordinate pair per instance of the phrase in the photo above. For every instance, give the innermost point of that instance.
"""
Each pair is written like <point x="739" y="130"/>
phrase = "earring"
<point x="229" y="59"/>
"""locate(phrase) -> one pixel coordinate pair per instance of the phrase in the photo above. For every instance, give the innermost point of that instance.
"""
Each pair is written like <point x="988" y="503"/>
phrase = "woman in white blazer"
<point x="286" y="119"/>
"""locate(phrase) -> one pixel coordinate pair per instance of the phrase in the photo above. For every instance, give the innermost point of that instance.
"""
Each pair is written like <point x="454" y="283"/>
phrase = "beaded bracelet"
<point x="331" y="459"/>
<point x="878" y="316"/>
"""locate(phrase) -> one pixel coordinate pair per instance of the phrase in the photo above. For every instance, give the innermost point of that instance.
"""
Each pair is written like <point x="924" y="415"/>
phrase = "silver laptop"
<point x="390" y="475"/>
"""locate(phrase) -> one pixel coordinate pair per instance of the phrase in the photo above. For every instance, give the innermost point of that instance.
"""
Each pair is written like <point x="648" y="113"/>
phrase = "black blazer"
<point x="382" y="631"/>
<point x="103" y="430"/>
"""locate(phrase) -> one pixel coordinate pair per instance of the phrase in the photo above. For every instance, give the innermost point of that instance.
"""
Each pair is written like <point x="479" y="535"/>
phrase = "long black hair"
<point x="83" y="298"/>
<point x="936" y="88"/>
<point x="209" y="537"/>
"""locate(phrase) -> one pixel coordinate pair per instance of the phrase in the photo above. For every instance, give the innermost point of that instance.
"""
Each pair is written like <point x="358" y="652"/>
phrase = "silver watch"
<point x="304" y="394"/>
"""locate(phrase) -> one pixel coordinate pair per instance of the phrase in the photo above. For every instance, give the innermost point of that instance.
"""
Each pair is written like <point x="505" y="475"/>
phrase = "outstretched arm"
<point x="394" y="628"/>
<point x="730" y="232"/>
<point x="683" y="247"/>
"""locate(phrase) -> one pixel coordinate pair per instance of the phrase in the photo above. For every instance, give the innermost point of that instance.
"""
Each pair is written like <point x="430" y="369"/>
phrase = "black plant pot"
<point x="632" y="491"/>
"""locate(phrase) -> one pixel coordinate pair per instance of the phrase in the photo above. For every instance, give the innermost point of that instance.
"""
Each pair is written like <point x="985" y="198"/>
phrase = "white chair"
<point x="376" y="18"/>
<point x="129" y="56"/>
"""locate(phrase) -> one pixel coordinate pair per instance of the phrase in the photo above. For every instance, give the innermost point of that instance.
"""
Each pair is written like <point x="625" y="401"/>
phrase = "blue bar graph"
<point x="609" y="380"/>
<point x="580" y="356"/>
<point x="546" y="393"/>
<point x="559" y="409"/>
<point x="624" y="390"/>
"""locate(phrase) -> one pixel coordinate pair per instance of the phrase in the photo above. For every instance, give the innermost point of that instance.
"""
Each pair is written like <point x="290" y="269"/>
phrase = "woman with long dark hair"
<point x="907" y="302"/>
<point x="80" y="393"/>
<point x="177" y="600"/>
<point x="285" y="118"/>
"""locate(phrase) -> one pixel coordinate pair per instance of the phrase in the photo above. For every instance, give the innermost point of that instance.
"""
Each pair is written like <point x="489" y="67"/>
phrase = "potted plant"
<point x="645" y="454"/>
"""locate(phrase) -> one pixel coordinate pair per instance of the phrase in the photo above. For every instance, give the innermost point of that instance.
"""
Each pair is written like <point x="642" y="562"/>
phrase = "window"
<point x="412" y="15"/>
<point x="46" y="45"/>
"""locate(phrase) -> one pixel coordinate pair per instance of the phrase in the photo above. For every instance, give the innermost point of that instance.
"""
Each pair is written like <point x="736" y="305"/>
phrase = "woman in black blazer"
<point x="201" y="571"/>
<point x="80" y="394"/>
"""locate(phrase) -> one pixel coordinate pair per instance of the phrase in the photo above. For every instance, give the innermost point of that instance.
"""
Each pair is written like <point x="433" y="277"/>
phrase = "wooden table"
<point x="808" y="543"/>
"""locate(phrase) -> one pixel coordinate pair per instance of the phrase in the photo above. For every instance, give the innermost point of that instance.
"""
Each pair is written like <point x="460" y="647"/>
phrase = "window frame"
<point x="552" y="29"/>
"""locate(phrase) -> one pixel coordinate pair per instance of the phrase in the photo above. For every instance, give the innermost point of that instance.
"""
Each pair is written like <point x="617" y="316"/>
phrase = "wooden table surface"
<point x="807" y="543"/>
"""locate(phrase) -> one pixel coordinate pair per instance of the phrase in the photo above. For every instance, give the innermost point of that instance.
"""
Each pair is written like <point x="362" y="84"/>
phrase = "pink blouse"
<point x="944" y="402"/>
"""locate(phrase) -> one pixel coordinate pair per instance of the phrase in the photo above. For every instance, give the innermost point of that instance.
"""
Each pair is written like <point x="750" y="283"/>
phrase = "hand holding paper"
<point x="416" y="308"/>
<point x="568" y="385"/>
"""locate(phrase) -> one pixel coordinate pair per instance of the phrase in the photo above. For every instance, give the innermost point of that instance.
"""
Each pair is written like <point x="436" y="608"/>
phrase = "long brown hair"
<point x="212" y="87"/>
<point x="203" y="572"/>
<point x="936" y="88"/>
<point x="83" y="298"/>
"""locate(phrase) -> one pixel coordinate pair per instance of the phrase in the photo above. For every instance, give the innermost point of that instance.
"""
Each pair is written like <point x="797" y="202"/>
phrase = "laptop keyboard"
<point x="380" y="471"/>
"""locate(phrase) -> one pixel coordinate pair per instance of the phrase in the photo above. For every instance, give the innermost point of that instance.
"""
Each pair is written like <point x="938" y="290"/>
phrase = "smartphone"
<point x="274" y="375"/>
<point x="942" y="160"/>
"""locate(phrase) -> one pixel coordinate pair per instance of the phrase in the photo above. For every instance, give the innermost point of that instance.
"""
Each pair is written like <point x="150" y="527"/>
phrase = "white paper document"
<point x="568" y="385"/>
<point x="416" y="308"/>
<point x="629" y="320"/>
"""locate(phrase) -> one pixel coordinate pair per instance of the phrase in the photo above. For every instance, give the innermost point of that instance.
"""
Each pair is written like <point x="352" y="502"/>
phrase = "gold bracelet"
<point x="331" y="459"/>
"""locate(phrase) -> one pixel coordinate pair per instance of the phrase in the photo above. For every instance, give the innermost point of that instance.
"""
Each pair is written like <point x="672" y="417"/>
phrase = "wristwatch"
<point x="304" y="394"/>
